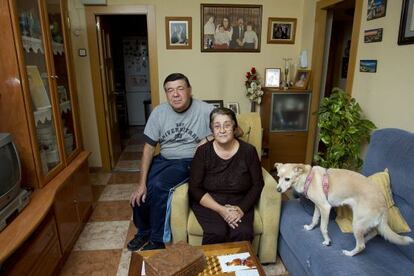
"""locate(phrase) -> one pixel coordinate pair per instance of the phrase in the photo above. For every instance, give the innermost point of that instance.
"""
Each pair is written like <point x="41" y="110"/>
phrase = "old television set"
<point x="12" y="197"/>
<point x="289" y="112"/>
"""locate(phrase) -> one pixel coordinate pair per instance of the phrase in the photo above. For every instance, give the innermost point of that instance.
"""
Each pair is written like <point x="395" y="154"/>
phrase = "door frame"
<point x="321" y="18"/>
<point x="100" y="108"/>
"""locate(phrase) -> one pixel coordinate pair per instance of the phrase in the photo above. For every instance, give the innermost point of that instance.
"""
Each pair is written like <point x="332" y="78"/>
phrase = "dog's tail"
<point x="388" y="234"/>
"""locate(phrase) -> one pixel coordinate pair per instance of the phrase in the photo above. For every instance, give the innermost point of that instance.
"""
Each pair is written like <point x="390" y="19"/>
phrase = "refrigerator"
<point x="137" y="85"/>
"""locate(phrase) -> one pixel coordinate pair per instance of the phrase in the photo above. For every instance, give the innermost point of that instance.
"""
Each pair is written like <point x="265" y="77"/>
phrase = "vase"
<point x="252" y="107"/>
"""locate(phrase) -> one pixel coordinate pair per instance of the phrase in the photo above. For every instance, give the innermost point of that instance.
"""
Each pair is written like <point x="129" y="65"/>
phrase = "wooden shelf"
<point x="13" y="236"/>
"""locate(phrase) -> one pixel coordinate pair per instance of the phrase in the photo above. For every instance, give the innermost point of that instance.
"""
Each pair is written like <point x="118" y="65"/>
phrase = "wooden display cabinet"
<point x="285" y="119"/>
<point x="41" y="88"/>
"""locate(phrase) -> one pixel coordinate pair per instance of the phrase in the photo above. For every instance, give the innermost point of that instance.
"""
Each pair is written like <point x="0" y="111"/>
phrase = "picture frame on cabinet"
<point x="301" y="79"/>
<point x="272" y="77"/>
<point x="215" y="103"/>
<point x="234" y="107"/>
<point x="376" y="9"/>
<point x="406" y="31"/>
<point x="37" y="88"/>
<point x="178" y="32"/>
<point x="281" y="30"/>
<point x="231" y="28"/>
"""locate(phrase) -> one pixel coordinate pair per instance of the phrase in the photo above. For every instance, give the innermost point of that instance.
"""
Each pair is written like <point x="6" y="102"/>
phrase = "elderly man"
<point x="179" y="126"/>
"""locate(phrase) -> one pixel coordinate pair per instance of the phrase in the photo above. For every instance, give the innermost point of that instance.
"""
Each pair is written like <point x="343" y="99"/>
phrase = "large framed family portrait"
<point x="231" y="28"/>
<point x="178" y="32"/>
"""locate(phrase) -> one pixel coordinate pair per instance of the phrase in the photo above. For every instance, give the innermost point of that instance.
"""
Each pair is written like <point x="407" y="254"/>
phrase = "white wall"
<point x="386" y="97"/>
<point x="212" y="75"/>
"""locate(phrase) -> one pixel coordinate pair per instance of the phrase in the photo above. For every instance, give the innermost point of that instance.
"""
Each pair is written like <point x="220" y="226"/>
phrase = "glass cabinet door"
<point x="61" y="75"/>
<point x="38" y="79"/>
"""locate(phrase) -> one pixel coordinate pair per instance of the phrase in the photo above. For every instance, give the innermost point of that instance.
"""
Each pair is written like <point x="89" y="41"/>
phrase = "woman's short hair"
<point x="176" y="76"/>
<point x="223" y="111"/>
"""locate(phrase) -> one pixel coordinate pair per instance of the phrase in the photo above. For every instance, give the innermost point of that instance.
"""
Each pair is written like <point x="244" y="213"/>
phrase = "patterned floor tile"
<point x="127" y="165"/>
<point x="97" y="191"/>
<point x="124" y="178"/>
<point x="132" y="230"/>
<point x="111" y="211"/>
<point x="277" y="269"/>
<point x="99" y="178"/>
<point x="102" y="236"/>
<point x="117" y="192"/>
<point x="130" y="155"/>
<point x="102" y="262"/>
<point x="124" y="263"/>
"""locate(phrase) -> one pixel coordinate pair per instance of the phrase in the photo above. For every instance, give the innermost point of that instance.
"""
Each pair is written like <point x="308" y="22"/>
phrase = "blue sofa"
<point x="302" y="251"/>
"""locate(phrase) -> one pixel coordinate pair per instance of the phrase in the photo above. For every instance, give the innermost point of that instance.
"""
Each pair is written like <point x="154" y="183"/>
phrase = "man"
<point x="178" y="126"/>
<point x="238" y="34"/>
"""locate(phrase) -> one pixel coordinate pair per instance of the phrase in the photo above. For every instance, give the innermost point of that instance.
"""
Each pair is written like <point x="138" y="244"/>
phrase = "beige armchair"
<point x="184" y="225"/>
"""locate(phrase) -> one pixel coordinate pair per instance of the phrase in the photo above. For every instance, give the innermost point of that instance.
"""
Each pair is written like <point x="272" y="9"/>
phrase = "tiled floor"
<point x="101" y="247"/>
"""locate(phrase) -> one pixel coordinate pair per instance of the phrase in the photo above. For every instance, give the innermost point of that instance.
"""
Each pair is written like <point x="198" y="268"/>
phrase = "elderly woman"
<point x="225" y="182"/>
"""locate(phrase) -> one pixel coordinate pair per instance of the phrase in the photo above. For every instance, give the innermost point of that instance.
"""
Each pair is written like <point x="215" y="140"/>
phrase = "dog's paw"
<point x="327" y="243"/>
<point x="348" y="253"/>
<point x="308" y="227"/>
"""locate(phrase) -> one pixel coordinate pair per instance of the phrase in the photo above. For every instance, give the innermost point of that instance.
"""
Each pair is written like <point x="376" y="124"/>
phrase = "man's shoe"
<point x="137" y="243"/>
<point x="153" y="245"/>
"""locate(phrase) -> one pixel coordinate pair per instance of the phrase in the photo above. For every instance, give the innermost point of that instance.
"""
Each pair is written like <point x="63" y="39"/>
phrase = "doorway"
<point x="124" y="72"/>
<point x="337" y="25"/>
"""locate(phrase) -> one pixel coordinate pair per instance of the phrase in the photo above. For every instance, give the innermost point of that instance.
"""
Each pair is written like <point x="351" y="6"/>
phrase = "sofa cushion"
<point x="393" y="149"/>
<point x="379" y="257"/>
<point x="395" y="220"/>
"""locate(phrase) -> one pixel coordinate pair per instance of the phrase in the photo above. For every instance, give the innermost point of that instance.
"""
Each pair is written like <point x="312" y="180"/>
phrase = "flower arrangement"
<point x="253" y="88"/>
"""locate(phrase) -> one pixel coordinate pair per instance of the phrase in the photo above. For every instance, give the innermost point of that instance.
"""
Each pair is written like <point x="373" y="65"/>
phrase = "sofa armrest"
<point x="269" y="210"/>
<point x="180" y="206"/>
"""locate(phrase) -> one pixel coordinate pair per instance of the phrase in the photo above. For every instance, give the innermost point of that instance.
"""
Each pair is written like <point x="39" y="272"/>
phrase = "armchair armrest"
<point x="269" y="210"/>
<point x="180" y="207"/>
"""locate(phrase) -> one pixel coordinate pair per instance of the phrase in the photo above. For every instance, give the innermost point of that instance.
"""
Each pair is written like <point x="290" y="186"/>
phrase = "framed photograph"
<point x="272" y="77"/>
<point x="376" y="9"/>
<point x="368" y="65"/>
<point x="374" y="35"/>
<point x="234" y="106"/>
<point x="281" y="30"/>
<point x="178" y="32"/>
<point x="215" y="103"/>
<point x="406" y="33"/>
<point x="301" y="79"/>
<point x="230" y="28"/>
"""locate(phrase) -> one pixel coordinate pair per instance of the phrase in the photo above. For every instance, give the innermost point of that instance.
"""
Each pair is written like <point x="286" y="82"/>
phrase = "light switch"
<point x="82" y="52"/>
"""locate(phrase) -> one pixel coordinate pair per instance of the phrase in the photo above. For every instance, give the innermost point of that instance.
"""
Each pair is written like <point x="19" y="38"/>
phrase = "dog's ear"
<point x="299" y="168"/>
<point x="278" y="165"/>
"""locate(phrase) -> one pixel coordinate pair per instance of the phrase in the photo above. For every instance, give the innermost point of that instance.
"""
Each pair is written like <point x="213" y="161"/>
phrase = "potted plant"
<point x="342" y="131"/>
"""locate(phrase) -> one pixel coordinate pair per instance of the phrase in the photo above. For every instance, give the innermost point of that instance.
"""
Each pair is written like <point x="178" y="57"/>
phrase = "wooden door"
<point x="108" y="86"/>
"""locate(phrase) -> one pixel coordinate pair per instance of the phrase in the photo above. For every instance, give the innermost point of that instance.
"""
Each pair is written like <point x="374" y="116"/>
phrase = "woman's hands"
<point x="232" y="215"/>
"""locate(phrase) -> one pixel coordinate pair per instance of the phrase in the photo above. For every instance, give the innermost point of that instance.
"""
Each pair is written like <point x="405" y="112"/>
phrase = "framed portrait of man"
<point x="178" y="32"/>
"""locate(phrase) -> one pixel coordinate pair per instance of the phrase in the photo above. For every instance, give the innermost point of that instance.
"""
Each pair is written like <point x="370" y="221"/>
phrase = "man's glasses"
<point x="225" y="126"/>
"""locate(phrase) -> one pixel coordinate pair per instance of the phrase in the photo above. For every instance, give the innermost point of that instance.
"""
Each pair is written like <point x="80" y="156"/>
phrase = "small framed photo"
<point x="374" y="35"/>
<point x="272" y="77"/>
<point x="178" y="32"/>
<point x="281" y="30"/>
<point x="301" y="79"/>
<point x="376" y="9"/>
<point x="368" y="65"/>
<point x="215" y="103"/>
<point x="234" y="106"/>
<point x="406" y="32"/>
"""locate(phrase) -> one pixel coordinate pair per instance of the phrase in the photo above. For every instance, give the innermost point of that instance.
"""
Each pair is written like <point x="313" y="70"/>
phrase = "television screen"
<point x="10" y="172"/>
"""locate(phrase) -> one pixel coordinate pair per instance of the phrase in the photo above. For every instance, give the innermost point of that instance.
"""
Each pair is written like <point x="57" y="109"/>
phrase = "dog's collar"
<point x="325" y="183"/>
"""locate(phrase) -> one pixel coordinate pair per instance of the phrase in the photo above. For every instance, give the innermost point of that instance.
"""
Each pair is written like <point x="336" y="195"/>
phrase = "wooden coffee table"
<point x="210" y="251"/>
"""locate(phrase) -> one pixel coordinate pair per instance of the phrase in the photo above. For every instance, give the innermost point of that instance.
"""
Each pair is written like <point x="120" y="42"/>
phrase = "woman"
<point x="225" y="182"/>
